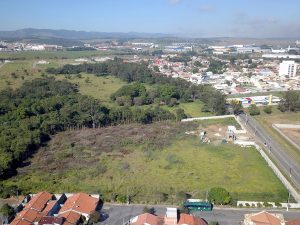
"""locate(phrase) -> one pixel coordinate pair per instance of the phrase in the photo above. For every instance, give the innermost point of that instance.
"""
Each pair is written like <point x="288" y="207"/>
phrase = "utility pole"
<point x="288" y="201"/>
<point x="290" y="172"/>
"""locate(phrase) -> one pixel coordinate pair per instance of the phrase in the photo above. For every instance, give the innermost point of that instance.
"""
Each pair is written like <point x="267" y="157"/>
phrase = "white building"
<point x="288" y="68"/>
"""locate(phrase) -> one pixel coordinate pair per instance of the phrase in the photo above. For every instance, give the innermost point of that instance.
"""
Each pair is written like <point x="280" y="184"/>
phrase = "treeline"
<point x="43" y="107"/>
<point x="168" y="88"/>
<point x="290" y="102"/>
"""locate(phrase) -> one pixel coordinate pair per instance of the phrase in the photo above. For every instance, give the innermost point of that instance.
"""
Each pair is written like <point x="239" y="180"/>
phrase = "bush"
<point x="122" y="198"/>
<point x="247" y="205"/>
<point x="219" y="195"/>
<point x="7" y="211"/>
<point x="278" y="204"/>
<point x="268" y="109"/>
<point x="254" y="110"/>
<point x="266" y="204"/>
<point x="241" y="205"/>
<point x="149" y="210"/>
<point x="259" y="205"/>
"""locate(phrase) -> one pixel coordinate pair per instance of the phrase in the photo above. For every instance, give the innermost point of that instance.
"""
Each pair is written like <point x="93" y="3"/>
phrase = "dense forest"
<point x="43" y="107"/>
<point x="169" y="90"/>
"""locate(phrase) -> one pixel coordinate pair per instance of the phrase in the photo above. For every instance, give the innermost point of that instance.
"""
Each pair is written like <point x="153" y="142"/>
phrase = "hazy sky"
<point x="201" y="18"/>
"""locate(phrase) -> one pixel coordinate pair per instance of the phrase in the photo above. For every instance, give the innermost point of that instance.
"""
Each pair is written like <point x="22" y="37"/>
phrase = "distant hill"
<point x="75" y="35"/>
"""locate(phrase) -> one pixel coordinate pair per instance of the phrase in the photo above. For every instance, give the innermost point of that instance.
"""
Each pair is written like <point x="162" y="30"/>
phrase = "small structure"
<point x="203" y="137"/>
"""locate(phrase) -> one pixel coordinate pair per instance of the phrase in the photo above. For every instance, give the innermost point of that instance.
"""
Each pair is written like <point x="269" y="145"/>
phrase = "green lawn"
<point x="29" y="55"/>
<point x="147" y="161"/>
<point x="96" y="86"/>
<point x="193" y="109"/>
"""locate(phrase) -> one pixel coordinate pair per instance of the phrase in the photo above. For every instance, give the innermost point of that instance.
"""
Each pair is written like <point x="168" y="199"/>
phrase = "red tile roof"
<point x="80" y="202"/>
<point x="50" y="220"/>
<point x="265" y="218"/>
<point x="49" y="207"/>
<point x="148" y="218"/>
<point x="293" y="222"/>
<point x="39" y="201"/>
<point x="70" y="217"/>
<point x="30" y="215"/>
<point x="20" y="222"/>
<point x="190" y="220"/>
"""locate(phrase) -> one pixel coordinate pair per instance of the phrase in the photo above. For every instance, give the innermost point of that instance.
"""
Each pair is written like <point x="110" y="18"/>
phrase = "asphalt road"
<point x="120" y="214"/>
<point x="277" y="153"/>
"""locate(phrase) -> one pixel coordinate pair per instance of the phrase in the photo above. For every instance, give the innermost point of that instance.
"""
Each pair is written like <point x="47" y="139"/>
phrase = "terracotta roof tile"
<point x="71" y="217"/>
<point x="20" y="222"/>
<point x="265" y="218"/>
<point x="148" y="218"/>
<point x="30" y="215"/>
<point x="80" y="202"/>
<point x="39" y="201"/>
<point x="51" y="220"/>
<point x="190" y="220"/>
<point x="49" y="207"/>
<point x="293" y="222"/>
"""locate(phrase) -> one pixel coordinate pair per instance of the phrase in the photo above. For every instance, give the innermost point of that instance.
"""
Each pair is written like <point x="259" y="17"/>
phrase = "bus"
<point x="198" y="206"/>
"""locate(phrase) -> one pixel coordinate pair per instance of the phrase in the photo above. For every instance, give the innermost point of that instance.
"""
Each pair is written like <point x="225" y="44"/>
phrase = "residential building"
<point x="81" y="203"/>
<point x="172" y="217"/>
<point x="288" y="68"/>
<point x="264" y="218"/>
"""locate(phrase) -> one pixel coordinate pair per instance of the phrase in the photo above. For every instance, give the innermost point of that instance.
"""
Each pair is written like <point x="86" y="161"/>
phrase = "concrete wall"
<point x="207" y="118"/>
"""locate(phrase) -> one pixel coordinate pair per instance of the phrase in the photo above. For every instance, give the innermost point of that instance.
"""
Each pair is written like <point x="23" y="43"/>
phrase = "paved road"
<point x="284" y="160"/>
<point x="119" y="214"/>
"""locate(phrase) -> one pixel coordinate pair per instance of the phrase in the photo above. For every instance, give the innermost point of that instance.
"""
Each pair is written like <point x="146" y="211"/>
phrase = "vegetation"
<point x="217" y="67"/>
<point x="219" y="196"/>
<point x="254" y="110"/>
<point x="43" y="107"/>
<point x="169" y="90"/>
<point x="149" y="210"/>
<point x="122" y="159"/>
<point x="268" y="109"/>
<point x="7" y="211"/>
<point x="290" y="102"/>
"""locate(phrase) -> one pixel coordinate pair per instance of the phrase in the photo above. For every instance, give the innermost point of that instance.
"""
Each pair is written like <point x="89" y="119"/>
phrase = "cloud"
<point x="262" y="26"/>
<point x="174" y="2"/>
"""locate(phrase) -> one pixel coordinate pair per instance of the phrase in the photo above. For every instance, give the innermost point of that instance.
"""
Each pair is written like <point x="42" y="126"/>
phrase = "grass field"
<point x="98" y="87"/>
<point x="29" y="55"/>
<point x="149" y="162"/>
<point x="267" y="120"/>
<point x="191" y="109"/>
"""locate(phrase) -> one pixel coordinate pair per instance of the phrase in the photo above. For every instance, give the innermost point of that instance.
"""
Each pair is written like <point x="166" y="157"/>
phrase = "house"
<point x="50" y="220"/>
<point x="185" y="219"/>
<point x="263" y="218"/>
<point x="71" y="218"/>
<point x="172" y="217"/>
<point x="39" y="201"/>
<point x="293" y="222"/>
<point x="81" y="203"/>
<point x="34" y="209"/>
<point x="147" y="218"/>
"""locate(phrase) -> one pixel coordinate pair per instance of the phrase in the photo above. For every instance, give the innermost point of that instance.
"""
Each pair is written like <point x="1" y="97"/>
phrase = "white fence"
<point x="271" y="204"/>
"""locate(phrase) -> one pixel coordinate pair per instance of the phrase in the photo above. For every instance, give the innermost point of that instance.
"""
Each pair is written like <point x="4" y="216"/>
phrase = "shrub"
<point x="259" y="205"/>
<point x="149" y="210"/>
<point x="266" y="204"/>
<point x="241" y="205"/>
<point x="278" y="204"/>
<point x="219" y="195"/>
<point x="254" y="110"/>
<point x="268" y="109"/>
<point x="247" y="205"/>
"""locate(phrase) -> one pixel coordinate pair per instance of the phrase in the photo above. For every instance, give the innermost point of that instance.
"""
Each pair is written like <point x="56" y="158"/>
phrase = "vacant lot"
<point x="286" y="118"/>
<point x="293" y="134"/>
<point x="152" y="163"/>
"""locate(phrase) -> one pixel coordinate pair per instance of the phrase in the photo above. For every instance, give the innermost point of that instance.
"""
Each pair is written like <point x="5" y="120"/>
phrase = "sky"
<point x="192" y="18"/>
